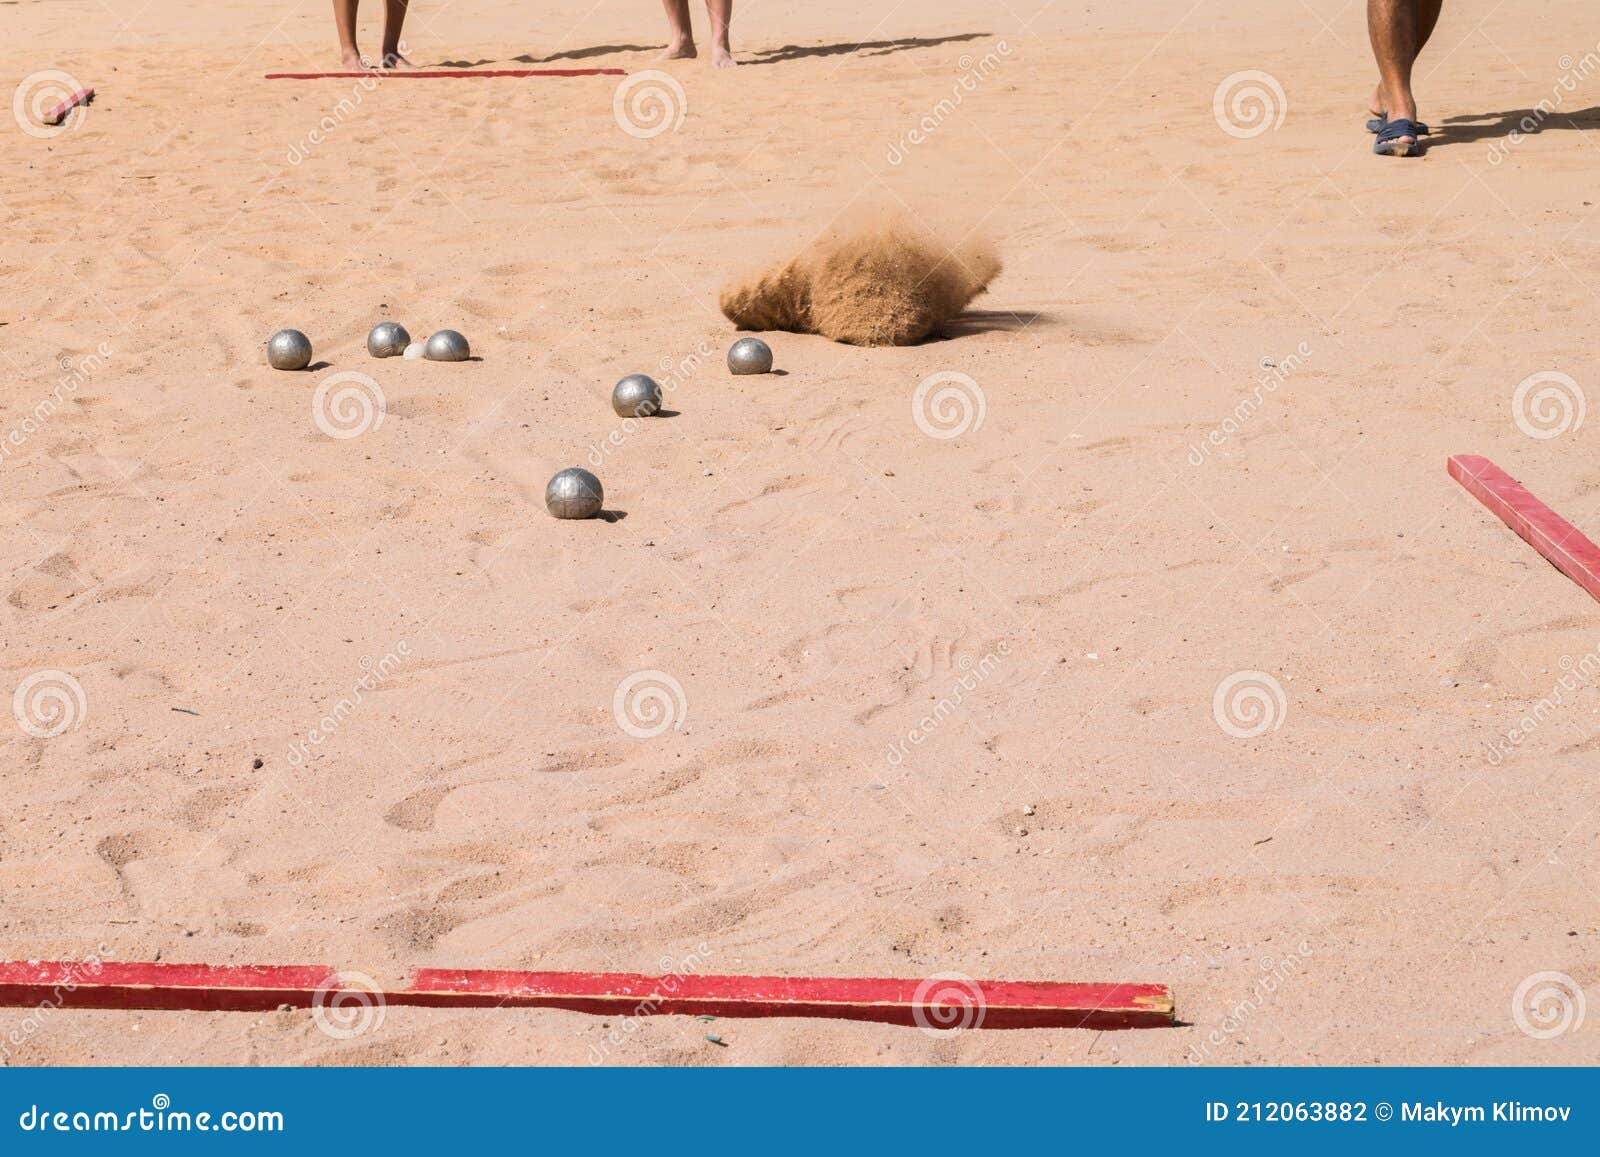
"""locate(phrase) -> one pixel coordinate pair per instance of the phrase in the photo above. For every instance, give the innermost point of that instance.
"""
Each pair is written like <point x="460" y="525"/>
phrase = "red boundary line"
<point x="59" y="113"/>
<point x="1564" y="545"/>
<point x="935" y="1003"/>
<point x="453" y="73"/>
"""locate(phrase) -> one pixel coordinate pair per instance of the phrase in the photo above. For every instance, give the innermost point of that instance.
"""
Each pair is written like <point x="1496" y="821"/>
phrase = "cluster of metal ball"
<point x="289" y="349"/>
<point x="573" y="492"/>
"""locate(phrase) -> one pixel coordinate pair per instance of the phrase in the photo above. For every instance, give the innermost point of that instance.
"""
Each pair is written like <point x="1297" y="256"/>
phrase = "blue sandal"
<point x="1375" y="125"/>
<point x="1389" y="143"/>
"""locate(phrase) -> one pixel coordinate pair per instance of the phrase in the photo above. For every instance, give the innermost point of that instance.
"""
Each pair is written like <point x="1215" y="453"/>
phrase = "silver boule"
<point x="447" y="346"/>
<point x="574" y="493"/>
<point x="636" y="395"/>
<point x="288" y="349"/>
<point x="749" y="355"/>
<point x="388" y="339"/>
<point x="416" y="350"/>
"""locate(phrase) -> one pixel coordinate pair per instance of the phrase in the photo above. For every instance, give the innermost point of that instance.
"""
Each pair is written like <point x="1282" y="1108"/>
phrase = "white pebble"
<point x="415" y="349"/>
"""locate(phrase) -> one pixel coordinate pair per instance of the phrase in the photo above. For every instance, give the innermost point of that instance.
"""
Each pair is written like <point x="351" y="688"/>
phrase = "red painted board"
<point x="88" y="984"/>
<point x="59" y="113"/>
<point x="1564" y="545"/>
<point x="935" y="1003"/>
<point x="451" y="73"/>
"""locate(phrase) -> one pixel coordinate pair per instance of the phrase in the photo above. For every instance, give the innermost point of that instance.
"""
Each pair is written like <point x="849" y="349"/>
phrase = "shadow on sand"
<point x="864" y="47"/>
<point x="1464" y="130"/>
<point x="760" y="56"/>
<point x="976" y="321"/>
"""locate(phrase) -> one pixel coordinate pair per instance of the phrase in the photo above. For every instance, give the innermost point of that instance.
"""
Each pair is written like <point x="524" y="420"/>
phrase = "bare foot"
<point x="352" y="62"/>
<point x="679" y="50"/>
<point x="721" y="57"/>
<point x="394" y="62"/>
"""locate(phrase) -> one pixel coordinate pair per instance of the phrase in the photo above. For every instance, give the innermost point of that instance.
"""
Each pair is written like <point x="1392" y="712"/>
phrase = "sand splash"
<point x="882" y="280"/>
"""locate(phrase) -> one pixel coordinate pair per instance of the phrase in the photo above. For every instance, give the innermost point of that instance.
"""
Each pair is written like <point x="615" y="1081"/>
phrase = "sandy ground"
<point x="947" y="702"/>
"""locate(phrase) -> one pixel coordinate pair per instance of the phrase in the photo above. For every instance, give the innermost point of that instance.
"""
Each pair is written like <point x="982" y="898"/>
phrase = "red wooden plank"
<point x="450" y="73"/>
<point x="995" y="1004"/>
<point x="59" y="113"/>
<point x="1564" y="545"/>
<point x="937" y="1003"/>
<point x="239" y="988"/>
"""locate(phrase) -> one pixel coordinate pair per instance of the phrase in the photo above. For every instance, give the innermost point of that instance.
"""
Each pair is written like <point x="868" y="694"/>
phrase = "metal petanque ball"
<point x="574" y="493"/>
<point x="636" y="395"/>
<point x="447" y="346"/>
<point x="749" y="355"/>
<point x="288" y="349"/>
<point x="388" y="339"/>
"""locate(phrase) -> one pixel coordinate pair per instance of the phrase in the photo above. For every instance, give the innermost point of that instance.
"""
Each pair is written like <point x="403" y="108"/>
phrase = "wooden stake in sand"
<point x="1564" y="545"/>
<point x="59" y="113"/>
<point x="937" y="1003"/>
<point x="447" y="73"/>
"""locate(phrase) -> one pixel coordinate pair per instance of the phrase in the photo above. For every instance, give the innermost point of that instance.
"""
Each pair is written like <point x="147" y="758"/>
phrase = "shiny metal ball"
<point x="288" y="349"/>
<point x="447" y="346"/>
<point x="749" y="355"/>
<point x="574" y="493"/>
<point x="388" y="339"/>
<point x="636" y="395"/>
<point x="416" y="349"/>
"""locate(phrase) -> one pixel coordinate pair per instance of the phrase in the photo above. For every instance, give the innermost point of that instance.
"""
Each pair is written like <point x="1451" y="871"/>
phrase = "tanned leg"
<point x="394" y="17"/>
<point x="721" y="13"/>
<point x="680" y="43"/>
<point x="344" y="19"/>
<point x="1427" y="18"/>
<point x="1394" y="27"/>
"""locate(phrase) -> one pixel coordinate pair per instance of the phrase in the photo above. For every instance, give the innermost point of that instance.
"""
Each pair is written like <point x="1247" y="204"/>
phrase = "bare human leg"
<point x="344" y="19"/>
<point x="394" y="17"/>
<point x="1425" y="20"/>
<point x="1398" y="29"/>
<point x="721" y="13"/>
<point x="680" y="44"/>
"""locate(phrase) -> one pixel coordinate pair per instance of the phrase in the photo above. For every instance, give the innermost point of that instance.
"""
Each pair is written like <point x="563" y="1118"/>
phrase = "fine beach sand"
<point x="1059" y="591"/>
